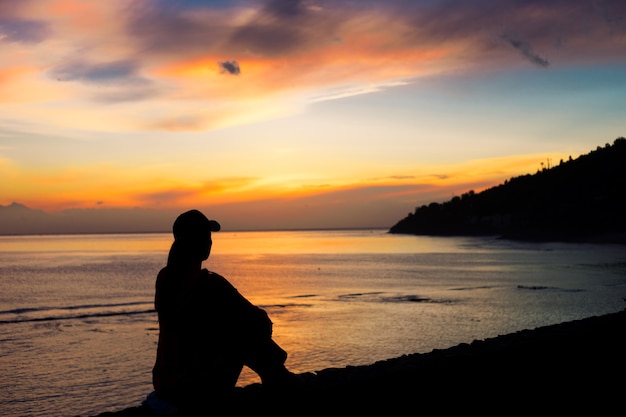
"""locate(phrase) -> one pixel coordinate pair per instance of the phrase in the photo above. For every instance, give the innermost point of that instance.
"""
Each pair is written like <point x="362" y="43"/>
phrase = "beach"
<point x="575" y="366"/>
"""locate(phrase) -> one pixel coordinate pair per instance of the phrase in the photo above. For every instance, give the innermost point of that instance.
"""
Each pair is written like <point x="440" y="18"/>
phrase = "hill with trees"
<point x="581" y="199"/>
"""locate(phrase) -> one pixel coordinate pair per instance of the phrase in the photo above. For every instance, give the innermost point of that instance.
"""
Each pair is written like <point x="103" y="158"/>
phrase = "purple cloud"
<point x="122" y="78"/>
<point x="282" y="27"/>
<point x="526" y="50"/>
<point x="231" y="67"/>
<point x="24" y="31"/>
<point x="125" y="71"/>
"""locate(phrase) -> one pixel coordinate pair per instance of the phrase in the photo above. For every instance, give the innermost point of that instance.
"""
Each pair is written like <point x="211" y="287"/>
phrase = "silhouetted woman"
<point x="208" y="330"/>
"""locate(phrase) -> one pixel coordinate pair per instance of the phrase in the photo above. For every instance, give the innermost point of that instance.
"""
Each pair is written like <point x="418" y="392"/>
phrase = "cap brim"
<point x="214" y="226"/>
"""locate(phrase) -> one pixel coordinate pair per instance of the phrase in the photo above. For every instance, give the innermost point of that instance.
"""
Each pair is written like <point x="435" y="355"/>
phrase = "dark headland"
<point x="578" y="200"/>
<point x="577" y="366"/>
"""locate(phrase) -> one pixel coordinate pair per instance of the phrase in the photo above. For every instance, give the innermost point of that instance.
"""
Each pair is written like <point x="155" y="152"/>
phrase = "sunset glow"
<point x="289" y="114"/>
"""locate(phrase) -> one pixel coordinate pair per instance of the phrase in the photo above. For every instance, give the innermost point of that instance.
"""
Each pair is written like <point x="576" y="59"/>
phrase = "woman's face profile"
<point x="208" y="243"/>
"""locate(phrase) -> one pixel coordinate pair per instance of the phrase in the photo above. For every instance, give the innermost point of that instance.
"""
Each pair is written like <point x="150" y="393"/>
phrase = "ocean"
<point x="78" y="330"/>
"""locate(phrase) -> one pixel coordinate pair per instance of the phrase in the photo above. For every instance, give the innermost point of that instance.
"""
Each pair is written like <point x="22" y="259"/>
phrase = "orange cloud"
<point x="14" y="84"/>
<point x="8" y="75"/>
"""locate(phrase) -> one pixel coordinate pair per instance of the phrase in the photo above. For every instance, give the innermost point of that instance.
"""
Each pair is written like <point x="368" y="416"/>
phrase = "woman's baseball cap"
<point x="193" y="224"/>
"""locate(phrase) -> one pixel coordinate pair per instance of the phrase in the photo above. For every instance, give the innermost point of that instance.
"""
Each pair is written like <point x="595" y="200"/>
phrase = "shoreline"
<point x="571" y="366"/>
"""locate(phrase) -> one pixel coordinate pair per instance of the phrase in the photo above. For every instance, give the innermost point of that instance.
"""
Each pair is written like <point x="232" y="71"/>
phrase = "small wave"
<point x="358" y="295"/>
<point x="382" y="297"/>
<point x="536" y="287"/>
<point x="27" y="314"/>
<point x="480" y="287"/>
<point x="20" y="311"/>
<point x="24" y="310"/>
<point x="305" y="296"/>
<point x="545" y="287"/>
<point x="407" y="298"/>
<point x="284" y="305"/>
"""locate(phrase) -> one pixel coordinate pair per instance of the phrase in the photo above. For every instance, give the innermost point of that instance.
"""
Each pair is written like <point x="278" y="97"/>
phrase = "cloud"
<point x="124" y="95"/>
<point x="231" y="67"/>
<point x="98" y="73"/>
<point x="179" y="123"/>
<point x="164" y="29"/>
<point x="526" y="50"/>
<point x="23" y="30"/>
<point x="293" y="51"/>
<point x="286" y="8"/>
<point x="121" y="79"/>
<point x="168" y="197"/>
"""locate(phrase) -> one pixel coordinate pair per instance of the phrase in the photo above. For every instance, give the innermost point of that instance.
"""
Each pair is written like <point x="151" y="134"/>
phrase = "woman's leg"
<point x="267" y="359"/>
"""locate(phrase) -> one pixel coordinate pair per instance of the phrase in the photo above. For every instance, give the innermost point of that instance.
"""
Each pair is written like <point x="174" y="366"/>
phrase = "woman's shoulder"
<point x="212" y="275"/>
<point x="213" y="278"/>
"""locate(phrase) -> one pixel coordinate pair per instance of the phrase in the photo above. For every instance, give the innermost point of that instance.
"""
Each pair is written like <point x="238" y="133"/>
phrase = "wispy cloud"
<point x="23" y="30"/>
<point x="526" y="50"/>
<point x="98" y="73"/>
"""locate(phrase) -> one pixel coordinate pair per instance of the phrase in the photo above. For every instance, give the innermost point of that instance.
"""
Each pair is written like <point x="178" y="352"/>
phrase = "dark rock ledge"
<point x="577" y="366"/>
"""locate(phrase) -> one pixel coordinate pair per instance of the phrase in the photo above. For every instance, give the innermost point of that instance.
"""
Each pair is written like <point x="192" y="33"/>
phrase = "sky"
<point x="298" y="114"/>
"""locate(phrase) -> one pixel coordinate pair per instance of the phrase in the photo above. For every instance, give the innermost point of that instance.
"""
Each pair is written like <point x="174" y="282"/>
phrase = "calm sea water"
<point x="78" y="331"/>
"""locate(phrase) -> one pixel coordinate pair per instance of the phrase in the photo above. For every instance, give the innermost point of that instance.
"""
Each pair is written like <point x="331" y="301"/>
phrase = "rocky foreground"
<point x="574" y="367"/>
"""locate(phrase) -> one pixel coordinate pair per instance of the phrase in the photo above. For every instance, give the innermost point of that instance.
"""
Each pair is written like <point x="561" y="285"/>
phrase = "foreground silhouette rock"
<point x="570" y="367"/>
